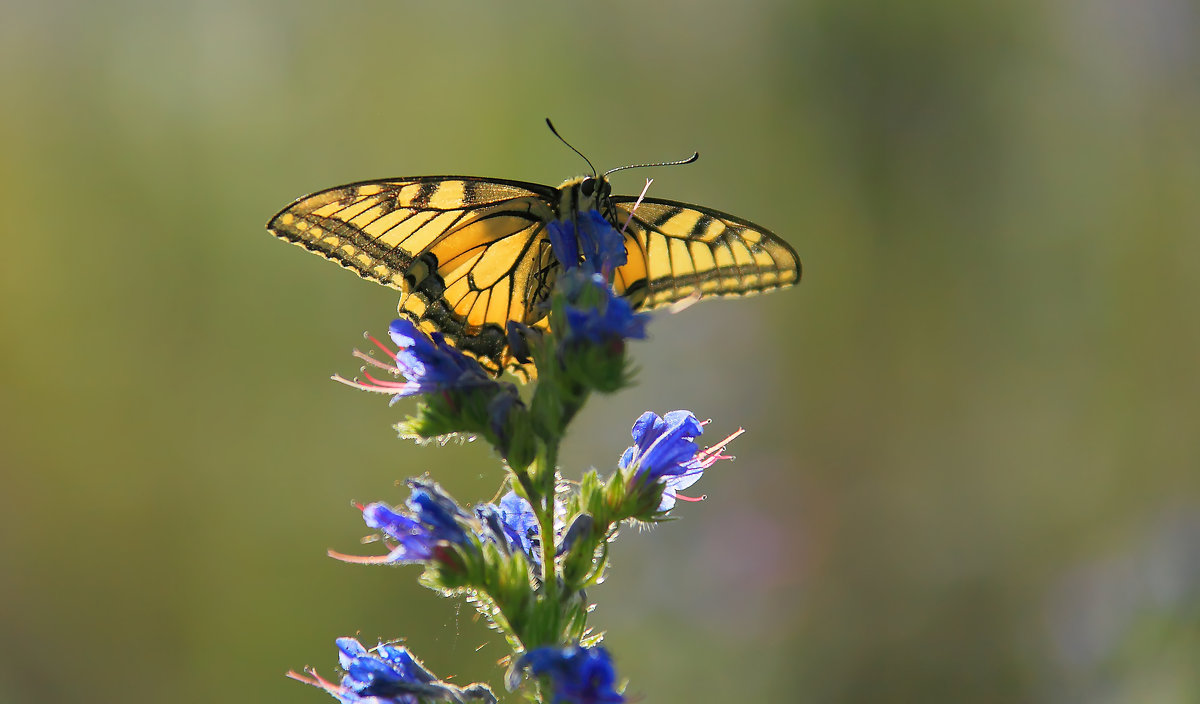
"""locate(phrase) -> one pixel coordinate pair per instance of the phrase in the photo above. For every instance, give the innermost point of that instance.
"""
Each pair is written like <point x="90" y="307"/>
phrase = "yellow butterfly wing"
<point x="677" y="250"/>
<point x="469" y="254"/>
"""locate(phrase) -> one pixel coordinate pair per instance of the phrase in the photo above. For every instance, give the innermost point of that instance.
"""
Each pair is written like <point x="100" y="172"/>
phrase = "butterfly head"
<point x="596" y="186"/>
<point x="582" y="194"/>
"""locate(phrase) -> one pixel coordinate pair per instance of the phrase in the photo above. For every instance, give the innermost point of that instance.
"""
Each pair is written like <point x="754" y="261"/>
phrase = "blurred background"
<point x="970" y="471"/>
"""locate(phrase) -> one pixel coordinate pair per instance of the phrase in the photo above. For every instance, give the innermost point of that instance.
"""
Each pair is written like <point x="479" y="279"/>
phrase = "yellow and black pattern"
<point x="471" y="254"/>
<point x="677" y="250"/>
<point x="465" y="252"/>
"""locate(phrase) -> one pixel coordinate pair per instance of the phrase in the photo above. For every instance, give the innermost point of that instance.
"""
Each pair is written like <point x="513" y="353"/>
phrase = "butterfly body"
<point x="471" y="254"/>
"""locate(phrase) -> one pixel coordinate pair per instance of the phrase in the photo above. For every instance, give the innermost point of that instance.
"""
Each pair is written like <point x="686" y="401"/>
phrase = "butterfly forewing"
<point x="378" y="228"/>
<point x="463" y="250"/>
<point x="676" y="250"/>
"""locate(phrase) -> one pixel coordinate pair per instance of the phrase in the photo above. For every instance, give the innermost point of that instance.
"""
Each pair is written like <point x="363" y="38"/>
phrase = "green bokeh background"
<point x="970" y="472"/>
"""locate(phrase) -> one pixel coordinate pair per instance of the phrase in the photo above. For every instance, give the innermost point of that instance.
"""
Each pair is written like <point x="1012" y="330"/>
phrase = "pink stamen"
<point x="358" y="559"/>
<point x="710" y="455"/>
<point x="301" y="678"/>
<point x="317" y="681"/>
<point x="352" y="383"/>
<point x="636" y="203"/>
<point x="381" y="346"/>
<point x="376" y="363"/>
<point x="373" y="384"/>
<point x="681" y="497"/>
<point x="382" y="387"/>
<point x="385" y="384"/>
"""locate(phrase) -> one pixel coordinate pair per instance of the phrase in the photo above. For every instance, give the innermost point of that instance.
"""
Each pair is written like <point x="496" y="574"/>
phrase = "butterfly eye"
<point x="587" y="187"/>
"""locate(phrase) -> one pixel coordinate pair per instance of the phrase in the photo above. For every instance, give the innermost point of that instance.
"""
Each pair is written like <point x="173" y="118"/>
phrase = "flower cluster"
<point x="526" y="560"/>
<point x="390" y="675"/>
<point x="427" y="363"/>
<point x="456" y="394"/>
<point x="577" y="675"/>
<point x="432" y="520"/>
<point x="597" y="316"/>
<point x="590" y="250"/>
<point x="588" y="243"/>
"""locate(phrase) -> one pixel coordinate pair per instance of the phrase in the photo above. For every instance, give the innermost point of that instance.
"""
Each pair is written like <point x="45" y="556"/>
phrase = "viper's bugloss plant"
<point x="526" y="561"/>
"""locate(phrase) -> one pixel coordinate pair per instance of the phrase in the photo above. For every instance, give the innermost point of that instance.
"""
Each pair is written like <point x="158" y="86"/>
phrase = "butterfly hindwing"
<point x="677" y="250"/>
<point x="494" y="272"/>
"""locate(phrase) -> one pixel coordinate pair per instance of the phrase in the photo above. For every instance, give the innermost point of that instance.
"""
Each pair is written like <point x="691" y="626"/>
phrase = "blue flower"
<point x="427" y="363"/>
<point x="520" y="523"/>
<point x="388" y="674"/>
<point x="589" y="242"/>
<point x="432" y="519"/>
<point x="601" y="316"/>
<point x="590" y="250"/>
<point x="438" y="511"/>
<point x="414" y="541"/>
<point x="512" y="525"/>
<point x="665" y="451"/>
<point x="578" y="675"/>
<point x="662" y="446"/>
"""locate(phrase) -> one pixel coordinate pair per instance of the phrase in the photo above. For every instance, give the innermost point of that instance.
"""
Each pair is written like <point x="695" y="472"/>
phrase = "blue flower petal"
<point x="662" y="446"/>
<point x="596" y="314"/>
<point x="438" y="511"/>
<point x="430" y="364"/>
<point x="589" y="242"/>
<point x="578" y="675"/>
<point x="520" y="523"/>
<point x="513" y="525"/>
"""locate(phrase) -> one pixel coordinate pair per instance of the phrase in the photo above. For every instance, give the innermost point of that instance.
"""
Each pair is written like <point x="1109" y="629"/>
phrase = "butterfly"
<point x="470" y="254"/>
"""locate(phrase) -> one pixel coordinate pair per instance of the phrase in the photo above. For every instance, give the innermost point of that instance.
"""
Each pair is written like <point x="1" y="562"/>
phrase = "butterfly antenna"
<point x="560" y="138"/>
<point x="681" y="162"/>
